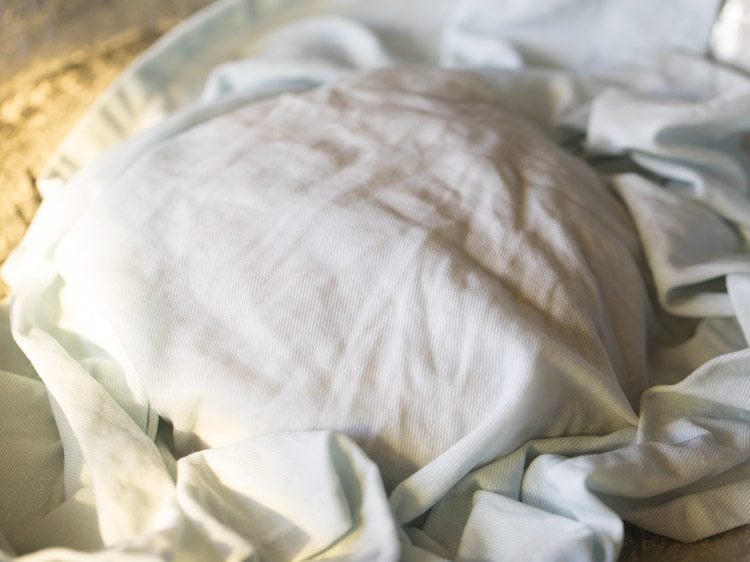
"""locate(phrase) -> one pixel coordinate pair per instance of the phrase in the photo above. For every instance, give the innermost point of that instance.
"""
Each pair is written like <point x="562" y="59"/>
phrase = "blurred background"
<point x="57" y="56"/>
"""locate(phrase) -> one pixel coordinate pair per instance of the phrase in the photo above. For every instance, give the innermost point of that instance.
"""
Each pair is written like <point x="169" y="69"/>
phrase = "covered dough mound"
<point x="394" y="257"/>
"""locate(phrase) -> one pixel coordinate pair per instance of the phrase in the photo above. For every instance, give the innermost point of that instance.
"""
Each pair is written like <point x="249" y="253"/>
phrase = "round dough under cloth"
<point x="394" y="256"/>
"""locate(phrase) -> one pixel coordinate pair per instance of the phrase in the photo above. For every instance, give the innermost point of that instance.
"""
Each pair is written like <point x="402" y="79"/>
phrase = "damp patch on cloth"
<point x="393" y="257"/>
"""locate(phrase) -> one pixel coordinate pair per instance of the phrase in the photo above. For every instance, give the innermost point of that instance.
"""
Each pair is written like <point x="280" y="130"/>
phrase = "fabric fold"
<point x="338" y="308"/>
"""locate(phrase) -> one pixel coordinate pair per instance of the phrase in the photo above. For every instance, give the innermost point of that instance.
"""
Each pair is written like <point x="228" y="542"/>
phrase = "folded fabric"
<point x="389" y="314"/>
<point x="392" y="257"/>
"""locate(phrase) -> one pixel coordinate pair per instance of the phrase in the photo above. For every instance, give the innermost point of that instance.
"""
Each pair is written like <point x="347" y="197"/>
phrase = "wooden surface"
<point x="56" y="56"/>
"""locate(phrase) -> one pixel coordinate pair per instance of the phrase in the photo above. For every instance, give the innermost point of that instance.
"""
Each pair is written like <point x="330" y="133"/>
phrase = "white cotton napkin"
<point x="405" y="257"/>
